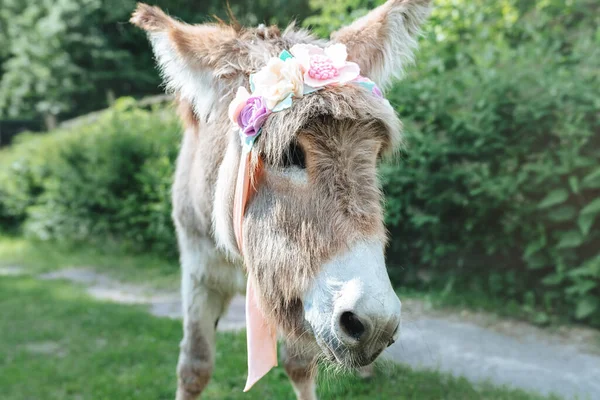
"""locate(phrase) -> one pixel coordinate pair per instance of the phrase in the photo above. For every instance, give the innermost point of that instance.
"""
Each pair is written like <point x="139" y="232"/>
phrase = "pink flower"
<point x="323" y="67"/>
<point x="253" y="116"/>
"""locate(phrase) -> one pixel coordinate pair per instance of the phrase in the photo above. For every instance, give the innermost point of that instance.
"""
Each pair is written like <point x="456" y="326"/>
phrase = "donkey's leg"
<point x="205" y="296"/>
<point x="302" y="371"/>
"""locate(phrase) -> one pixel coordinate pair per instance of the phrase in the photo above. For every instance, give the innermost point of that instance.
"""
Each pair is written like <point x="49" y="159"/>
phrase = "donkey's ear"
<point x="191" y="57"/>
<point x="383" y="41"/>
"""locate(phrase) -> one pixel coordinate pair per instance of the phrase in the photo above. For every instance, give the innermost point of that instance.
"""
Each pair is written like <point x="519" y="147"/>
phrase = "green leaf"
<point x="590" y="268"/>
<point x="581" y="271"/>
<point x="553" y="198"/>
<point x="586" y="306"/>
<point x="561" y="214"/>
<point x="585" y="222"/>
<point x="574" y="183"/>
<point x="593" y="207"/>
<point x="553" y="279"/>
<point x="581" y="287"/>
<point x="537" y="261"/>
<point x="533" y="248"/>
<point x="570" y="239"/>
<point x="593" y="265"/>
<point x="592" y="180"/>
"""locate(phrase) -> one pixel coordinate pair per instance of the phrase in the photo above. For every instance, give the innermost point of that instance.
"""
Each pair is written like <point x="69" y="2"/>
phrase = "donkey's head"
<point x="314" y="235"/>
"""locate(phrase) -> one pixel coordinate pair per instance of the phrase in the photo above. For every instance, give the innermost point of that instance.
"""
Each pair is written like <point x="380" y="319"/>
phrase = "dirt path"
<point x="160" y="303"/>
<point x="505" y="352"/>
<point x="474" y="345"/>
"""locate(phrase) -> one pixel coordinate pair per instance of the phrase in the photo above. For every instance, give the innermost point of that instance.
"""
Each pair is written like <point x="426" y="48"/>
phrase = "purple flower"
<point x="253" y="116"/>
<point x="369" y="84"/>
<point x="377" y="92"/>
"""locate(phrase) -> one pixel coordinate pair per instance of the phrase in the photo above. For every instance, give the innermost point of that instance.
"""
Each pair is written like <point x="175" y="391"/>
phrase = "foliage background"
<point x="498" y="192"/>
<point x="66" y="57"/>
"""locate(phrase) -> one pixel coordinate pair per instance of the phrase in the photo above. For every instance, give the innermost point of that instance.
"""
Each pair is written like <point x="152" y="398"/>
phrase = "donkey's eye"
<point x="294" y="157"/>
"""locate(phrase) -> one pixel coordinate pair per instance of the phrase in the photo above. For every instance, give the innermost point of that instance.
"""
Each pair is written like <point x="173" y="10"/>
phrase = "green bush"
<point x="107" y="182"/>
<point x="69" y="57"/>
<point x="23" y="168"/>
<point x="499" y="191"/>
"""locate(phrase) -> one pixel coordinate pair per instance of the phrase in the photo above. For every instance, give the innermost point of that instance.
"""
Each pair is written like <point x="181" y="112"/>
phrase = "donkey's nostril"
<point x="352" y="325"/>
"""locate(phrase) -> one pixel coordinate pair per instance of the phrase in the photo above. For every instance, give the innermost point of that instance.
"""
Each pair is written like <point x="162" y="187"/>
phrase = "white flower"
<point x="277" y="80"/>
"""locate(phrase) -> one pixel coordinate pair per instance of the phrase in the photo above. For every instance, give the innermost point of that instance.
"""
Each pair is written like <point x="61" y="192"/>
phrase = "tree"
<point x="61" y="58"/>
<point x="49" y="44"/>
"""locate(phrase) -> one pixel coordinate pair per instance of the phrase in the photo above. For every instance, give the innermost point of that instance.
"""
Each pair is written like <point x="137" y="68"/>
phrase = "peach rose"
<point x="277" y="80"/>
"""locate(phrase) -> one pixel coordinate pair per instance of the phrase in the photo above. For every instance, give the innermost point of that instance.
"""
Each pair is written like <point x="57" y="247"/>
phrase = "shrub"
<point x="109" y="181"/>
<point x="499" y="190"/>
<point x="23" y="168"/>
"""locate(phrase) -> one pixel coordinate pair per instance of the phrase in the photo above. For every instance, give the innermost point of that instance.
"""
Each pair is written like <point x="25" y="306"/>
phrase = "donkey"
<point x="310" y="238"/>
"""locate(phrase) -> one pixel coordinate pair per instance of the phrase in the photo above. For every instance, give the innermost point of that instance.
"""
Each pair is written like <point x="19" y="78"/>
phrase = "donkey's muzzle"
<point x="351" y="326"/>
<point x="359" y="336"/>
<point x="352" y="307"/>
<point x="353" y="329"/>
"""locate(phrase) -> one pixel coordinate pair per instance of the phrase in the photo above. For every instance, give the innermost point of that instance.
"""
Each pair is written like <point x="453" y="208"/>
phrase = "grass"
<point x="39" y="257"/>
<point x="57" y="343"/>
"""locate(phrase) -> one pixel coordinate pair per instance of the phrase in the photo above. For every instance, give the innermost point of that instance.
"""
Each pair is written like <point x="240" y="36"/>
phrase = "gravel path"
<point x="474" y="345"/>
<point x="528" y="358"/>
<point x="160" y="303"/>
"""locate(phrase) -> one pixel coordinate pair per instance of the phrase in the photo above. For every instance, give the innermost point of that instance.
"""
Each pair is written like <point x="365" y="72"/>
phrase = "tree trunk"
<point x="110" y="97"/>
<point x="50" y="121"/>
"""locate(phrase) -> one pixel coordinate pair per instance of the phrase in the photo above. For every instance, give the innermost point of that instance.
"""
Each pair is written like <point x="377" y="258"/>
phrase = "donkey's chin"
<point x="352" y="308"/>
<point x="335" y="352"/>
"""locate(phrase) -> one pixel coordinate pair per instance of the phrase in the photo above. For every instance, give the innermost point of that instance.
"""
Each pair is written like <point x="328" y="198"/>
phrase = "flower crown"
<point x="304" y="69"/>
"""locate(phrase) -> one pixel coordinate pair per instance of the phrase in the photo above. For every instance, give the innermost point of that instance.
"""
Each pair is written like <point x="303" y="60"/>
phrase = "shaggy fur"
<point x="383" y="41"/>
<point x="307" y="224"/>
<point x="300" y="218"/>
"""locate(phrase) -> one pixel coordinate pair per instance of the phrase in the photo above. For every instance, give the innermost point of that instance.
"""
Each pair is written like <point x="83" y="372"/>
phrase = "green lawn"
<point x="39" y="257"/>
<point x="57" y="343"/>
